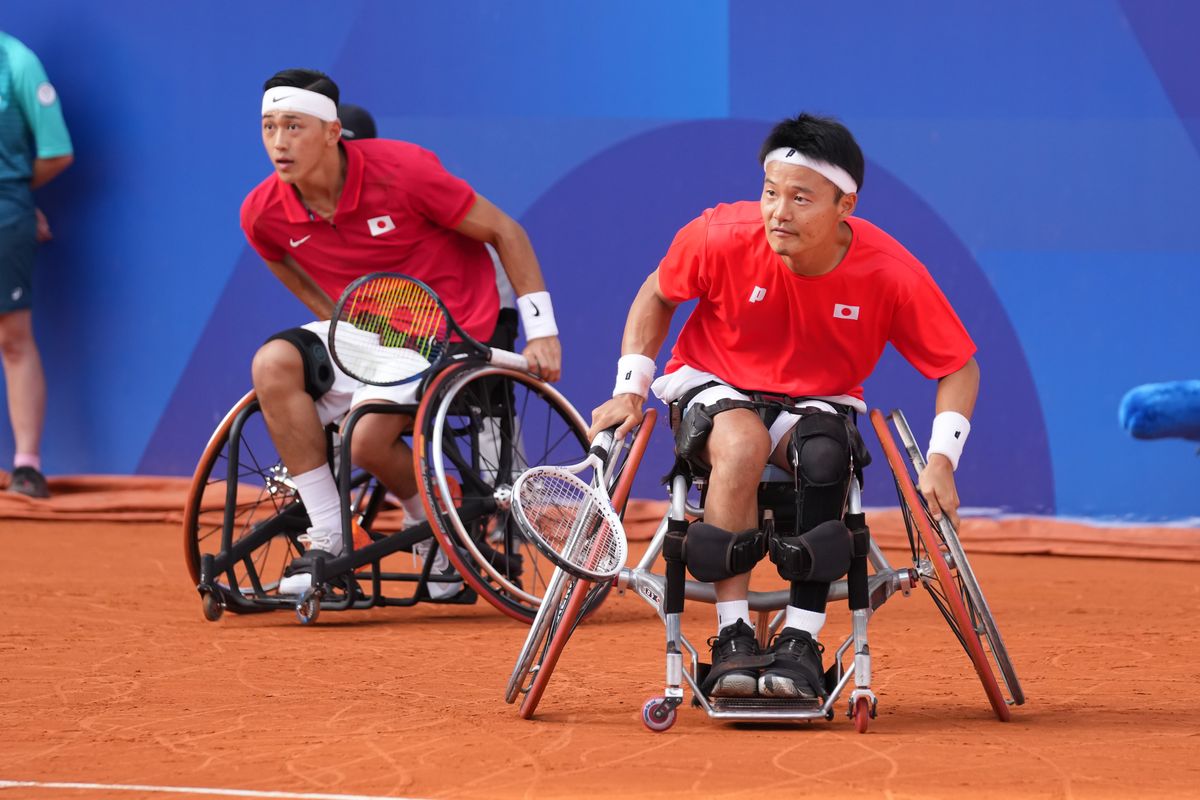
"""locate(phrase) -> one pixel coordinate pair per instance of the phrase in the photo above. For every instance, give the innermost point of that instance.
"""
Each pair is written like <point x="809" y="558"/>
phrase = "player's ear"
<point x="334" y="133"/>
<point x="847" y="204"/>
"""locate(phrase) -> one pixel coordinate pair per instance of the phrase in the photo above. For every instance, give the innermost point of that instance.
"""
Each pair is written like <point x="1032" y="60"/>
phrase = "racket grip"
<point x="602" y="444"/>
<point x="504" y="358"/>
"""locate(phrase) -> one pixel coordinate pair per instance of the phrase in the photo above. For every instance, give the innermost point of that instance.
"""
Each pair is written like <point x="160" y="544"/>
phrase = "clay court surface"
<point x="110" y="675"/>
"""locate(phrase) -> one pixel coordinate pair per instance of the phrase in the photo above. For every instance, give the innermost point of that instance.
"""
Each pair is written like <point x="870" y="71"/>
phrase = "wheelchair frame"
<point x="359" y="576"/>
<point x="939" y="565"/>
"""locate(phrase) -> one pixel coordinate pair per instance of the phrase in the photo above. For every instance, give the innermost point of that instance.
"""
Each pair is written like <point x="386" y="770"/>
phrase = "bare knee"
<point x="277" y="369"/>
<point x="739" y="446"/>
<point x="376" y="445"/>
<point x="16" y="336"/>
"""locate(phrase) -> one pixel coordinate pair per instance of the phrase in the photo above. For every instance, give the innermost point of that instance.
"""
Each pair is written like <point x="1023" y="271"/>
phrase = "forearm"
<point x="47" y="169"/>
<point x="300" y="284"/>
<point x="518" y="259"/>
<point x="649" y="321"/>
<point x="958" y="390"/>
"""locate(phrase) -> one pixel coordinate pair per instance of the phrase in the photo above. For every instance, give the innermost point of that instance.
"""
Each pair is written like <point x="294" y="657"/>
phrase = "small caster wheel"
<point x="309" y="607"/>
<point x="212" y="605"/>
<point x="657" y="714"/>
<point x="862" y="714"/>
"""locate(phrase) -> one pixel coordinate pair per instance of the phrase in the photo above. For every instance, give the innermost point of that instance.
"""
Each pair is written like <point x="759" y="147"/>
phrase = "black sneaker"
<point x="796" y="673"/>
<point x="736" y="659"/>
<point x="29" y="482"/>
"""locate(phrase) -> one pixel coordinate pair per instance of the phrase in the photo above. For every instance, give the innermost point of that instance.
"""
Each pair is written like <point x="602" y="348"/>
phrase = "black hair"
<point x="309" y="79"/>
<point x="819" y="138"/>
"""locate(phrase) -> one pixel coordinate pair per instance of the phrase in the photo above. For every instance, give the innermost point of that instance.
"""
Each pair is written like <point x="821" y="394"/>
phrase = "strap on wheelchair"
<point x="672" y="553"/>
<point x="856" y="579"/>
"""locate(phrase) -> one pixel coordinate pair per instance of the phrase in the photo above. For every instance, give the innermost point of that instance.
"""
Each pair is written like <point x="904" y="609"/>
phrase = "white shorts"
<point x="346" y="392"/>
<point x="782" y="425"/>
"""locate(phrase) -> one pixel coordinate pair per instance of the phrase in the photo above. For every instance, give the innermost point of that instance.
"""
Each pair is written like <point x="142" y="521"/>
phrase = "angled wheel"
<point x="658" y="715"/>
<point x="242" y="498"/>
<point x="477" y="428"/>
<point x="581" y="594"/>
<point x="945" y="572"/>
<point x="862" y="714"/>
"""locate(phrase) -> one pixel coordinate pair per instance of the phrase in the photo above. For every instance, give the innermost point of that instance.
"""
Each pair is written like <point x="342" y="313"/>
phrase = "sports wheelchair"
<point x="939" y="564"/>
<point x="476" y="426"/>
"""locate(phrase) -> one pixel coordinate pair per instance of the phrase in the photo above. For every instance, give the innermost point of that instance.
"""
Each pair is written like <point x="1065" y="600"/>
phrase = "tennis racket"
<point x="388" y="329"/>
<point x="572" y="521"/>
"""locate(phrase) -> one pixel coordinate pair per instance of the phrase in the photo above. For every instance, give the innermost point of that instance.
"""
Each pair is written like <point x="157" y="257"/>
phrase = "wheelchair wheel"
<point x="240" y="483"/>
<point x="945" y="572"/>
<point x="580" y="595"/>
<point x="477" y="428"/>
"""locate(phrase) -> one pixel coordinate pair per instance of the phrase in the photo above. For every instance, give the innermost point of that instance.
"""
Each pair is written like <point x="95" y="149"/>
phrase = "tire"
<point x="946" y="574"/>
<point x="477" y="428"/>
<point x="262" y="499"/>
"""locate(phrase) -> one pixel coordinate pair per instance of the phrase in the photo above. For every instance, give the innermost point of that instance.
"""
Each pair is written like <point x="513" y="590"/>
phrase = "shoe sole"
<point x="734" y="686"/>
<point x="783" y="688"/>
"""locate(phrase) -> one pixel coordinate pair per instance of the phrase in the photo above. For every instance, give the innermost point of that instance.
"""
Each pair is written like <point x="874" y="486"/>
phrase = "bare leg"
<point x="289" y="411"/>
<point x="25" y="380"/>
<point x="737" y="449"/>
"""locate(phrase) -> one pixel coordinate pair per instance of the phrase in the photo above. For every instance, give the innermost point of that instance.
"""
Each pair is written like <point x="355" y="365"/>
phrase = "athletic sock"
<point x="414" y="510"/>
<point x="730" y="611"/>
<point x="804" y="620"/>
<point x="319" y="492"/>
<point x="27" y="460"/>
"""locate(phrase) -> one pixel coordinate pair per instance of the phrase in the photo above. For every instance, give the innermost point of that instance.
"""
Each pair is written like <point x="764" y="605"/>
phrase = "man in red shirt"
<point x="796" y="297"/>
<point x="333" y="211"/>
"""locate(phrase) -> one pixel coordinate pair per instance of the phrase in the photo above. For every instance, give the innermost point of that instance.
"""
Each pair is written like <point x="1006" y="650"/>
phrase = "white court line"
<point x="118" y="787"/>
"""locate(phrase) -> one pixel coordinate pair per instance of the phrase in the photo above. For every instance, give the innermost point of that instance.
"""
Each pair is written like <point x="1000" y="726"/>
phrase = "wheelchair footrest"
<point x="763" y="704"/>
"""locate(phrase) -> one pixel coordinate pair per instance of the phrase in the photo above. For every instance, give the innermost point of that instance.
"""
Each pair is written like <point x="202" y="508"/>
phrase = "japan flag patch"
<point x="381" y="225"/>
<point x="845" y="312"/>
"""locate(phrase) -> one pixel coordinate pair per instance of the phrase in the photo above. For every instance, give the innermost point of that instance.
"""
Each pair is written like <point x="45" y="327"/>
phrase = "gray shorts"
<point x="18" y="245"/>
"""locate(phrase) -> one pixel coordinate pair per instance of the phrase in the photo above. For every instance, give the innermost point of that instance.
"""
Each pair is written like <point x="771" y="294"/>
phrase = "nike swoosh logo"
<point x="281" y="97"/>
<point x="298" y="242"/>
<point x="536" y="312"/>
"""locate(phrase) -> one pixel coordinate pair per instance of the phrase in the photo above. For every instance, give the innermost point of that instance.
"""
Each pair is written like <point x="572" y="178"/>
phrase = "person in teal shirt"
<point x="34" y="148"/>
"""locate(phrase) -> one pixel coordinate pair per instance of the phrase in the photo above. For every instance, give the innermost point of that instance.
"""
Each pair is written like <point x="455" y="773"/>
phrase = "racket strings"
<point x="389" y="329"/>
<point x="573" y="522"/>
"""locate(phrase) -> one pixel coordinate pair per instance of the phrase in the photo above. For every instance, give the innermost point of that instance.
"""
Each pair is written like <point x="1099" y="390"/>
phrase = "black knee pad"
<point x="819" y="452"/>
<point x="714" y="554"/>
<point x="822" y="554"/>
<point x="318" y="369"/>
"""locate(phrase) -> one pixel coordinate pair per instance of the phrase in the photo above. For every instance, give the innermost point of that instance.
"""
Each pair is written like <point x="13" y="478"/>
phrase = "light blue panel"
<point x="1094" y="325"/>
<point x="542" y="58"/>
<point x="162" y="100"/>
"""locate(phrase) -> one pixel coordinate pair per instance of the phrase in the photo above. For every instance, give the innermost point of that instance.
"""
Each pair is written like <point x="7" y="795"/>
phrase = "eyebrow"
<point x="795" y="186"/>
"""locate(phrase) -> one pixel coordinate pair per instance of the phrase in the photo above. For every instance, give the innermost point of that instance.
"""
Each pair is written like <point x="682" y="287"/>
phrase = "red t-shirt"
<point x="759" y="326"/>
<point x="396" y="213"/>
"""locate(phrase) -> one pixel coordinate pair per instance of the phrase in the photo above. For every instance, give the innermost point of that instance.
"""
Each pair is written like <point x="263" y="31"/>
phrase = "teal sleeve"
<point x="39" y="102"/>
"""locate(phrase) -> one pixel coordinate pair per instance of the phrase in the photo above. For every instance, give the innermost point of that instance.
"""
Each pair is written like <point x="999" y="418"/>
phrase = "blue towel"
<point x="1162" y="411"/>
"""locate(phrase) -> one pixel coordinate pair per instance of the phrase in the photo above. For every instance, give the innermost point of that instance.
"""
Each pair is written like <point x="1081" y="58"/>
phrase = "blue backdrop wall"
<point x="1039" y="157"/>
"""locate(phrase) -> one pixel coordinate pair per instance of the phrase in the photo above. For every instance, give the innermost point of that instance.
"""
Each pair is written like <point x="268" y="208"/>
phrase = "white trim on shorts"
<point x="673" y="385"/>
<point x="346" y="392"/>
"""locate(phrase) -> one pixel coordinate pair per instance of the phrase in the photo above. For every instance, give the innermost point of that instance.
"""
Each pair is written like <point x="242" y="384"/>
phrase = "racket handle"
<point x="503" y="358"/>
<point x="602" y="444"/>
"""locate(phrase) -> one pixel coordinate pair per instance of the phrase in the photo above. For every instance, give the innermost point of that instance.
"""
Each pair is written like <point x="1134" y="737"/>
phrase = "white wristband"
<point x="635" y="373"/>
<point x="950" y="431"/>
<point x="537" y="315"/>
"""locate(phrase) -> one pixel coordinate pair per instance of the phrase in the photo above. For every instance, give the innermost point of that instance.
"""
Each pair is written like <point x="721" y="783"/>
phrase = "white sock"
<point x="414" y="510"/>
<point x="804" y="620"/>
<point x="321" y="499"/>
<point x="730" y="611"/>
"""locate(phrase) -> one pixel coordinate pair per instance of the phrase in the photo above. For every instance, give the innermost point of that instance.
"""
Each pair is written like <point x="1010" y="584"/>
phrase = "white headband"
<point x="291" y="98"/>
<point x="836" y="175"/>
